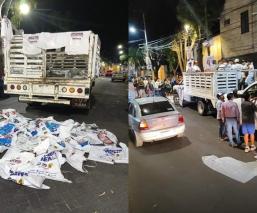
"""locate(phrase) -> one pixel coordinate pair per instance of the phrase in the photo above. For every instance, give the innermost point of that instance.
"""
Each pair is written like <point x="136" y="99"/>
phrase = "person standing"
<point x="248" y="122"/>
<point x="230" y="115"/>
<point x="157" y="85"/>
<point x="149" y="88"/>
<point x="221" y="99"/>
<point x="238" y="67"/>
<point x="135" y="84"/>
<point x="196" y="68"/>
<point x="141" y="88"/>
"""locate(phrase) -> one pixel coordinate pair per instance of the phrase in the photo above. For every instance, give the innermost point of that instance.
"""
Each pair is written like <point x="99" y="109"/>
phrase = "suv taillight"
<point x="143" y="125"/>
<point x="181" y="119"/>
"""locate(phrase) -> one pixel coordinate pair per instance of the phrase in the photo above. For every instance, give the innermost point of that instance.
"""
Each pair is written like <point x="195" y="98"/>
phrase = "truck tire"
<point x="88" y="105"/>
<point x="202" y="108"/>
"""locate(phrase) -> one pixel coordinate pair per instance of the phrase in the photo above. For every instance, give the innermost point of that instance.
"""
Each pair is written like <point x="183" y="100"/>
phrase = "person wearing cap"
<point x="221" y="99"/>
<point x="238" y="67"/>
<point x="248" y="122"/>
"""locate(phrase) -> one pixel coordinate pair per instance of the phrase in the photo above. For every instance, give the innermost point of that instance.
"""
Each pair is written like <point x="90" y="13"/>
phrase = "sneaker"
<point x="247" y="149"/>
<point x="234" y="145"/>
<point x="253" y="147"/>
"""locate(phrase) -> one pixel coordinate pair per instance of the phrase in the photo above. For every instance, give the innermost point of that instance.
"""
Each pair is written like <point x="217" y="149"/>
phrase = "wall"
<point x="234" y="43"/>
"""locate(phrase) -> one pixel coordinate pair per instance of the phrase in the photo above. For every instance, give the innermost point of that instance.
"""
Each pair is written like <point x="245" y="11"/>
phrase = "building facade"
<point x="238" y="30"/>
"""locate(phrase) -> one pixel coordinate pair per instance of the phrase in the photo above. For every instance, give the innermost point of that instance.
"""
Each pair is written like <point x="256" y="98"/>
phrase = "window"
<point x="132" y="110"/>
<point x="226" y="22"/>
<point x="244" y="22"/>
<point x="253" y="91"/>
<point x="156" y="107"/>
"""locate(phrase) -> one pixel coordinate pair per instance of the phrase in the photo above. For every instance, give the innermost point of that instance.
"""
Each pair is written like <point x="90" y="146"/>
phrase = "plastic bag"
<point x="49" y="166"/>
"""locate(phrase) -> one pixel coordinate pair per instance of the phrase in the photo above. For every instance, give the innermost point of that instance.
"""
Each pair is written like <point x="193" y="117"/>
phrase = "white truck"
<point x="202" y="88"/>
<point x="51" y="67"/>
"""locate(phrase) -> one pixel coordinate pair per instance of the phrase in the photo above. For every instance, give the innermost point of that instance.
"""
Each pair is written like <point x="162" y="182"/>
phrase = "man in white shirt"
<point x="238" y="67"/>
<point x="196" y="68"/>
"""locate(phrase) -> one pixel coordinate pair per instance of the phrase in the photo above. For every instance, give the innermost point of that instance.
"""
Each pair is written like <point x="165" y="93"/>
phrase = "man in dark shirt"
<point x="248" y="122"/>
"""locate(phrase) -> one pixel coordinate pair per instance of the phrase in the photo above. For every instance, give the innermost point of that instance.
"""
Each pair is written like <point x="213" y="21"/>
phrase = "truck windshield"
<point x="61" y="65"/>
<point x="156" y="107"/>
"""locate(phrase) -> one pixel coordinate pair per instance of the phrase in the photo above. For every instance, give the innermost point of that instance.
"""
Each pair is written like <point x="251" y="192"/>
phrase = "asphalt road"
<point x="108" y="111"/>
<point x="169" y="176"/>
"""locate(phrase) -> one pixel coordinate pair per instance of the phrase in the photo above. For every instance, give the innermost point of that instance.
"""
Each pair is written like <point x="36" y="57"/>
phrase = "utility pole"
<point x="147" y="59"/>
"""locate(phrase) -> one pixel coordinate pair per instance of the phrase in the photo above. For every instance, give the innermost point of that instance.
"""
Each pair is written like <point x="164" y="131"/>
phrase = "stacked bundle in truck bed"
<point x="59" y="64"/>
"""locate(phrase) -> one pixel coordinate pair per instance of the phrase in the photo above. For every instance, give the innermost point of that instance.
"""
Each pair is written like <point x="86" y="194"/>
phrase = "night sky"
<point x="107" y="18"/>
<point x="160" y="16"/>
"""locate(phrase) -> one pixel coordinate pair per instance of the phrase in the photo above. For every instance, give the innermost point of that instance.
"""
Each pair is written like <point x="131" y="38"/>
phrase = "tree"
<point x="202" y="15"/>
<point x="135" y="58"/>
<point x="181" y="42"/>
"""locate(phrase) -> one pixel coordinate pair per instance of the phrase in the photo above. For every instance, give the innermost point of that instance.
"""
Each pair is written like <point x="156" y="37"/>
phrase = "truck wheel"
<point x="88" y="105"/>
<point x="202" y="108"/>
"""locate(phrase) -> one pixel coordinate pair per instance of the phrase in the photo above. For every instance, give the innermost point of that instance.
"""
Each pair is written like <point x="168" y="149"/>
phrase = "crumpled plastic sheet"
<point x="232" y="168"/>
<point x="37" y="148"/>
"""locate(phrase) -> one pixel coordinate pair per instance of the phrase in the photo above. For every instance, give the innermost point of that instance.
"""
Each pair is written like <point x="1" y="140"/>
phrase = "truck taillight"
<point x="181" y="119"/>
<point x="143" y="125"/>
<point x="71" y="90"/>
<point x="64" y="89"/>
<point x="24" y="87"/>
<point x="18" y="87"/>
<point x="12" y="87"/>
<point x="79" y="90"/>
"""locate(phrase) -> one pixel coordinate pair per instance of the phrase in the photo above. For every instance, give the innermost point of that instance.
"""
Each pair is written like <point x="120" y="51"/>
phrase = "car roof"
<point x="148" y="100"/>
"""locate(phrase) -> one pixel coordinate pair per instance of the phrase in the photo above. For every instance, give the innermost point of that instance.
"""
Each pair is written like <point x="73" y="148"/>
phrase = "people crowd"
<point x="236" y="120"/>
<point x="235" y="115"/>
<point x="146" y="87"/>
<point x="245" y="71"/>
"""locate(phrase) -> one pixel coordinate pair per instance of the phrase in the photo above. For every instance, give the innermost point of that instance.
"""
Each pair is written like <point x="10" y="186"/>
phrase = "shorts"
<point x="248" y="128"/>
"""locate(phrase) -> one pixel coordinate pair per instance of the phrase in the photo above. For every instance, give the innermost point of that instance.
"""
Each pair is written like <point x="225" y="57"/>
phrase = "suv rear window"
<point x="156" y="107"/>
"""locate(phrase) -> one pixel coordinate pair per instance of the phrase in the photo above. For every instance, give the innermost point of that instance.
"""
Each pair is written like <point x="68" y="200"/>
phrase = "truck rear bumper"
<point x="44" y="100"/>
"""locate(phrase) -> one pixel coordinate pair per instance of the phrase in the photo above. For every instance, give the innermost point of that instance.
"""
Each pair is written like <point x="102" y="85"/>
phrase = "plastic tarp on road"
<point x="230" y="167"/>
<point x="37" y="148"/>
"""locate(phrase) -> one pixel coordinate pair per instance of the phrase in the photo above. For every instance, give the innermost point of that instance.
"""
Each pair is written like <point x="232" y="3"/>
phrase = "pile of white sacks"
<point x="37" y="148"/>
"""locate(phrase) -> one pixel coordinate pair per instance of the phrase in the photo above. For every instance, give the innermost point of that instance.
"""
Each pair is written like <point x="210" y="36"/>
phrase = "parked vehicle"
<point x="55" y="68"/>
<point x="153" y="119"/>
<point x="118" y="77"/>
<point x="108" y="73"/>
<point x="202" y="88"/>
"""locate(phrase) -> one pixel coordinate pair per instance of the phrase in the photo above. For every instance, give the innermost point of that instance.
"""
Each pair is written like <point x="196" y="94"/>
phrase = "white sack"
<point x="49" y="166"/>
<point x="75" y="43"/>
<point x="76" y="159"/>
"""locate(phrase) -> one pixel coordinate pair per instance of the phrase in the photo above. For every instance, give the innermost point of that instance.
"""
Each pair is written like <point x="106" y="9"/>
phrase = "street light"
<point x="134" y="30"/>
<point x="24" y="8"/>
<point x="121" y="52"/>
<point x="120" y="46"/>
